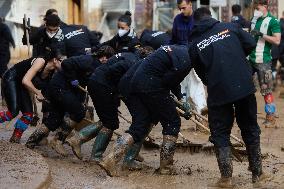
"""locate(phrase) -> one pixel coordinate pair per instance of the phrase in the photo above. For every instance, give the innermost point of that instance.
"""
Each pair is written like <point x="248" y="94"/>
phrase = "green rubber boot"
<point x="129" y="160"/>
<point x="101" y="143"/>
<point x="84" y="135"/>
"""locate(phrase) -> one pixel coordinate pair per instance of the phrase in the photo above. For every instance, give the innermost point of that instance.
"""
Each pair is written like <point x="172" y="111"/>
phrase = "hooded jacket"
<point x="218" y="53"/>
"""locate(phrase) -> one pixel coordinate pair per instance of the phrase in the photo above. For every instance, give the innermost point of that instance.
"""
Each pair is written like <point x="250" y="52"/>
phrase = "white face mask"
<point x="50" y="35"/>
<point x="122" y="32"/>
<point x="257" y="14"/>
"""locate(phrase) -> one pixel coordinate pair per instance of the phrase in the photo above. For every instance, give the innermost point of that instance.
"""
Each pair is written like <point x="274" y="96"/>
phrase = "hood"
<point x="203" y="25"/>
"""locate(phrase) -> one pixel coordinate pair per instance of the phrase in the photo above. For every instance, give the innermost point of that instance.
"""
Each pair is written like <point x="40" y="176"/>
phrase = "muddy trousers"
<point x="152" y="107"/>
<point x="221" y="120"/>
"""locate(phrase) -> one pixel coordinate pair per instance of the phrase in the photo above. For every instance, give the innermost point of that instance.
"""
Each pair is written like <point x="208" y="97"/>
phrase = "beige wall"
<point x="280" y="7"/>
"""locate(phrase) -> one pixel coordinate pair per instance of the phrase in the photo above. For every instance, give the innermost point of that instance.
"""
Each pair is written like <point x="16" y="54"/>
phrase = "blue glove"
<point x="75" y="83"/>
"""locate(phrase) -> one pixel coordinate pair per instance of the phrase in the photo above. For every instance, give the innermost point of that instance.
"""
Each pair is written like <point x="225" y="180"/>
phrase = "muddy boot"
<point x="56" y="144"/>
<point x="224" y="159"/>
<point x="255" y="164"/>
<point x="121" y="146"/>
<point x="37" y="136"/>
<point x="167" y="155"/>
<point x="100" y="144"/>
<point x="270" y="121"/>
<point x="84" y="135"/>
<point x="64" y="131"/>
<point x="16" y="136"/>
<point x="129" y="159"/>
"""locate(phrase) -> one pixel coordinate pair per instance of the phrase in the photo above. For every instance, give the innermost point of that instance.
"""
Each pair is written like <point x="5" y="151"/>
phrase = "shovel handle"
<point x="201" y="125"/>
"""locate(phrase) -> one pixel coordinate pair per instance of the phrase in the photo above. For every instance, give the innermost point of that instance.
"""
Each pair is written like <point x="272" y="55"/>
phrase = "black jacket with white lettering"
<point x="155" y="39"/>
<point x="218" y="54"/>
<point x="77" y="38"/>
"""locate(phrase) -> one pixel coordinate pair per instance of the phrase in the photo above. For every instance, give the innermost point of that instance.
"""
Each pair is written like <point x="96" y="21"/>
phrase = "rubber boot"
<point x="20" y="126"/>
<point x="37" y="136"/>
<point x="16" y="136"/>
<point x="167" y="155"/>
<point x="132" y="155"/>
<point x="121" y="146"/>
<point x="129" y="159"/>
<point x="270" y="121"/>
<point x="100" y="144"/>
<point x="255" y="164"/>
<point x="58" y="140"/>
<point x="84" y="135"/>
<point x="224" y="159"/>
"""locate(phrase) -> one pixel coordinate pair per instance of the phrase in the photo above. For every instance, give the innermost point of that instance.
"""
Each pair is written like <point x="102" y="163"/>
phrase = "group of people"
<point x="144" y="73"/>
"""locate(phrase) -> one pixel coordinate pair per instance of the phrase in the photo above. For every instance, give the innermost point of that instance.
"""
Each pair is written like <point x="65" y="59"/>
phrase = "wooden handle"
<point x="205" y="128"/>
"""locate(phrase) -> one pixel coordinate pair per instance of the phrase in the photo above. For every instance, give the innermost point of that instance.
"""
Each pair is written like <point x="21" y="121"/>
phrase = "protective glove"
<point x="186" y="106"/>
<point x="75" y="83"/>
<point x="256" y="33"/>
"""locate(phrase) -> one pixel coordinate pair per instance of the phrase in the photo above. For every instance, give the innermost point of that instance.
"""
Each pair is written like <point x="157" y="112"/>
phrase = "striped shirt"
<point x="268" y="25"/>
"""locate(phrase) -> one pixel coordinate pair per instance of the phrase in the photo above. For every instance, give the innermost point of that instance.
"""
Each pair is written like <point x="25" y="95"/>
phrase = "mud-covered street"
<point x="196" y="170"/>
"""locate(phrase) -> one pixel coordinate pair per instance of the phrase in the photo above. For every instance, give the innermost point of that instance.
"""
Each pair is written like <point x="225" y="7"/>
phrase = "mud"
<point x="22" y="168"/>
<point x="196" y="170"/>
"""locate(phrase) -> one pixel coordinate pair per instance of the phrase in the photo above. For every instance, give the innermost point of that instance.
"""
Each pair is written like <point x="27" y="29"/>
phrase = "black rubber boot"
<point x="121" y="146"/>
<point x="167" y="155"/>
<point x="101" y="143"/>
<point x="255" y="164"/>
<point x="36" y="137"/>
<point x="224" y="159"/>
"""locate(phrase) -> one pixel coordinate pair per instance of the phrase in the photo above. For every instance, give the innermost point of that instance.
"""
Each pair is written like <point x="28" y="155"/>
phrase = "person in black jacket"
<point x="65" y="95"/>
<point x="218" y="54"/>
<point x="238" y="18"/>
<point x="78" y="40"/>
<point x="6" y="39"/>
<point x="50" y="35"/>
<point x="150" y="87"/>
<point x="154" y="39"/>
<point x="103" y="89"/>
<point x="126" y="39"/>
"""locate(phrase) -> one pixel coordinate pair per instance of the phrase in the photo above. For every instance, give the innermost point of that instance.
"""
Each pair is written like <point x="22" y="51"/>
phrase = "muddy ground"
<point x="69" y="172"/>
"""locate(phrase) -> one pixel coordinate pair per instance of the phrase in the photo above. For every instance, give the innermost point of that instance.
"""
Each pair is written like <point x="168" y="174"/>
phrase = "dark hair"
<point x="180" y="1"/>
<point x="201" y="13"/>
<point x="126" y="18"/>
<point x="104" y="50"/>
<point x="261" y="2"/>
<point x="144" y="51"/>
<point x="236" y="9"/>
<point x="52" y="20"/>
<point x="52" y="52"/>
<point x="49" y="12"/>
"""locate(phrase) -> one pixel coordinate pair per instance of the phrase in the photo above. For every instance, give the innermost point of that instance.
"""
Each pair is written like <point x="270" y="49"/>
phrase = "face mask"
<point x="122" y="32"/>
<point x="257" y="14"/>
<point x="50" y="35"/>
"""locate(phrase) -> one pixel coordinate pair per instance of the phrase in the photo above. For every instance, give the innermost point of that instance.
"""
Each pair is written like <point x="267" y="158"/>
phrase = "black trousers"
<point x="106" y="103"/>
<point x="64" y="101"/>
<point x="221" y="119"/>
<point x="151" y="108"/>
<point x="16" y="95"/>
